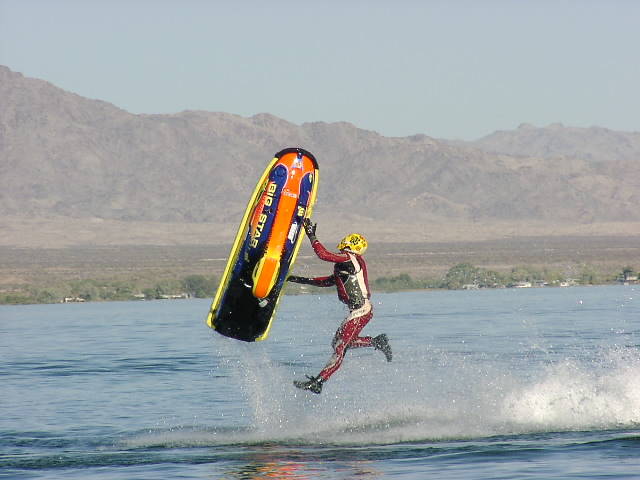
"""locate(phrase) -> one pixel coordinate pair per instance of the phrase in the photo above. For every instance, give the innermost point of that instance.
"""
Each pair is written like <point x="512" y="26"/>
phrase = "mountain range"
<point x="80" y="171"/>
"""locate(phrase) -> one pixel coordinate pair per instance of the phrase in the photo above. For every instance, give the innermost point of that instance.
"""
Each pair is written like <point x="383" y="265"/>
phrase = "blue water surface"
<point x="493" y="384"/>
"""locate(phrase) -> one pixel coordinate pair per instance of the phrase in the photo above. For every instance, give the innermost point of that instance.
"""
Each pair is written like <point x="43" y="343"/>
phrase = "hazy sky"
<point x="448" y="69"/>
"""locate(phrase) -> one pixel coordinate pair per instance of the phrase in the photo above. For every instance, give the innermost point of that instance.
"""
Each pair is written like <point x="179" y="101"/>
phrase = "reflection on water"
<point x="297" y="464"/>
<point x="259" y="471"/>
<point x="300" y="471"/>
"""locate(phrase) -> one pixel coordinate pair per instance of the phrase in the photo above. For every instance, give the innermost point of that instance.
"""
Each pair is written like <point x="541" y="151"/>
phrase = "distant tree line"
<point x="460" y="276"/>
<point x="466" y="275"/>
<point x="192" y="286"/>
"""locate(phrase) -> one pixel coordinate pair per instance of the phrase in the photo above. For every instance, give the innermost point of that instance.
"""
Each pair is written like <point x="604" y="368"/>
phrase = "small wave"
<point x="573" y="396"/>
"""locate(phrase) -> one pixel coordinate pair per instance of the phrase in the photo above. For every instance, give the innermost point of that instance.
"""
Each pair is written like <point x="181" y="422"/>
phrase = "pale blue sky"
<point x="448" y="69"/>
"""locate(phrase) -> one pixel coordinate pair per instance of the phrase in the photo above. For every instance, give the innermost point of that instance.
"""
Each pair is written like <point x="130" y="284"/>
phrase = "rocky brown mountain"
<point x="71" y="159"/>
<point x="596" y="144"/>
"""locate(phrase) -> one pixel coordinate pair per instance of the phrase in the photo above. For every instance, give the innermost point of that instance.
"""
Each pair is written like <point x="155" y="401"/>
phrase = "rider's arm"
<point x="326" y="255"/>
<point x="317" y="281"/>
<point x="321" y="252"/>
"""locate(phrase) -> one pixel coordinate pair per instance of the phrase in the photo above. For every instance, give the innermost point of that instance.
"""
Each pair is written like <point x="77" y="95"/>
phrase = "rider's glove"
<point x="310" y="229"/>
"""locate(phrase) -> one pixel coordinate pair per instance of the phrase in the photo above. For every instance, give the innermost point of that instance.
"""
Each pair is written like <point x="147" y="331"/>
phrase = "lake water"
<point x="494" y="384"/>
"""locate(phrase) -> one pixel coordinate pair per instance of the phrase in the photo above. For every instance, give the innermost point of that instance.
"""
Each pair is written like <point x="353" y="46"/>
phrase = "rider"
<point x="350" y="278"/>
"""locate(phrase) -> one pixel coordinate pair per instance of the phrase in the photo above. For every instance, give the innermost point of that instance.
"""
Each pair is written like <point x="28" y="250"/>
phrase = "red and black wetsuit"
<point x="351" y="280"/>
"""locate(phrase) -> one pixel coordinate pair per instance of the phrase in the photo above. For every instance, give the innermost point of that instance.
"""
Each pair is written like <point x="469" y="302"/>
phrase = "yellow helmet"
<point x="355" y="243"/>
